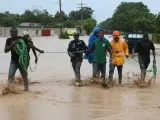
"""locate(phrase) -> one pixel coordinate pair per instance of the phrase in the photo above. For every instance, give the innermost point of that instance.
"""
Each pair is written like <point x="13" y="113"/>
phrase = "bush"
<point x="69" y="24"/>
<point x="156" y="38"/>
<point x="64" y="35"/>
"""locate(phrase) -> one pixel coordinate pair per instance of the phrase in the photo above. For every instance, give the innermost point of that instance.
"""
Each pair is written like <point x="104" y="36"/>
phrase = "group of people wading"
<point x="96" y="51"/>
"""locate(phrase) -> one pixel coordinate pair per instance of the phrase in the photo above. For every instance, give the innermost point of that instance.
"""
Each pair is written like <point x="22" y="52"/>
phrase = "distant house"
<point x="30" y="25"/>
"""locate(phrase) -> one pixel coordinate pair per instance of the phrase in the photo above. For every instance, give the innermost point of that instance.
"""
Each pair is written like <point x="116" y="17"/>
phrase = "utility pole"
<point x="61" y="18"/>
<point x="60" y="12"/>
<point x="81" y="8"/>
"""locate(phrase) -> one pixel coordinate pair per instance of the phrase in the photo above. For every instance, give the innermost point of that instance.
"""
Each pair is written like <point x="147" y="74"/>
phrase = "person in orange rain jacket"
<point x="119" y="50"/>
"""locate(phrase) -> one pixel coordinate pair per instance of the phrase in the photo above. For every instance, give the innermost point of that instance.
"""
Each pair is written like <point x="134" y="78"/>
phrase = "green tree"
<point x="38" y="16"/>
<point x="87" y="12"/>
<point x="89" y="24"/>
<point x="28" y="16"/>
<point x="64" y="16"/>
<point x="76" y="15"/>
<point x="106" y="24"/>
<point x="8" y="20"/>
<point x="130" y="17"/>
<point x="33" y="16"/>
<point x="158" y="23"/>
<point x="69" y="24"/>
<point x="44" y="18"/>
<point x="133" y="17"/>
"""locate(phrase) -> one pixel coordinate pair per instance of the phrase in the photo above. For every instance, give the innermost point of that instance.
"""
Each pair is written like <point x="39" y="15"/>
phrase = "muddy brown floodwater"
<point x="53" y="98"/>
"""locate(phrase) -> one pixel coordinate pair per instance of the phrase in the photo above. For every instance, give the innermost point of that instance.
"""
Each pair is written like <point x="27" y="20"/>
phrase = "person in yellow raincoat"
<point x="119" y="51"/>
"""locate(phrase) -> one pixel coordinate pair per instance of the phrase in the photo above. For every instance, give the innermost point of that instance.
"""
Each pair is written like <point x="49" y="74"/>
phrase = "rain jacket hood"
<point x="93" y="36"/>
<point x="90" y="41"/>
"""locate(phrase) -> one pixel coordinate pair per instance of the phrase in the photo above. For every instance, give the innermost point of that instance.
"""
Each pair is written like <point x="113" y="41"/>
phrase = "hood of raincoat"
<point x="93" y="36"/>
<point x="96" y="29"/>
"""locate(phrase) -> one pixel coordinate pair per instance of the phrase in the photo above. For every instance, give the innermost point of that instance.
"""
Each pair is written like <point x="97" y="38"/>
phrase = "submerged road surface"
<point x="54" y="99"/>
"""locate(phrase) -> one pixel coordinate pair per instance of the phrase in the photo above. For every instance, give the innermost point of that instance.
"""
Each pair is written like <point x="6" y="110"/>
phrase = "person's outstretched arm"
<point x="153" y="51"/>
<point x="84" y="46"/>
<point x="91" y="49"/>
<point x="109" y="48"/>
<point x="69" y="50"/>
<point x="154" y="56"/>
<point x="135" y="49"/>
<point x="35" y="55"/>
<point x="34" y="48"/>
<point x="133" y="52"/>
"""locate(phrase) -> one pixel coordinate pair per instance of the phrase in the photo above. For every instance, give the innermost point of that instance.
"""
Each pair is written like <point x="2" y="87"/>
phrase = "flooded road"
<point x="53" y="98"/>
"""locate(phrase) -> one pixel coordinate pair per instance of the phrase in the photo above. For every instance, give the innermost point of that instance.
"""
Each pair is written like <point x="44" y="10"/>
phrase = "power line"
<point x="81" y="8"/>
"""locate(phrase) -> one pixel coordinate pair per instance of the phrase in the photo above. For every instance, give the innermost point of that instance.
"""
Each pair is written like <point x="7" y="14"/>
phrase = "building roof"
<point x="28" y="24"/>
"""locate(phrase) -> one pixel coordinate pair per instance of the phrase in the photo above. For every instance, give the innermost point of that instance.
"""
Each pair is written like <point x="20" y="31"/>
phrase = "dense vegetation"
<point x="42" y="17"/>
<point x="132" y="17"/>
<point x="128" y="17"/>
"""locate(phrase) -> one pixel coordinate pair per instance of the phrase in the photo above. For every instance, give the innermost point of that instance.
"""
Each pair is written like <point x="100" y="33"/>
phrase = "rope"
<point x="50" y="52"/>
<point x="66" y="52"/>
<point x="153" y="69"/>
<point x="21" y="50"/>
<point x="35" y="65"/>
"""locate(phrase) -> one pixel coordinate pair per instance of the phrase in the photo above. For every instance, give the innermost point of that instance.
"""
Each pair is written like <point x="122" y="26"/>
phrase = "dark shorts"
<point x="143" y="63"/>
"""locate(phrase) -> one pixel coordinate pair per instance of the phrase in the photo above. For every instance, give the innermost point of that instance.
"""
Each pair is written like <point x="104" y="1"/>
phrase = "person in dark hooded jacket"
<point x="143" y="48"/>
<point x="76" y="48"/>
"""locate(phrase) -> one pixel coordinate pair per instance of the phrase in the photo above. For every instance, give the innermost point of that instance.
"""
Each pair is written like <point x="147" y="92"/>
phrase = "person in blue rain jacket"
<point x="93" y="37"/>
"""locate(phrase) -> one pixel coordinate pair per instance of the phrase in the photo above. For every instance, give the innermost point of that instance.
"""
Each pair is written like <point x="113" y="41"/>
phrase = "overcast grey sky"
<point x="103" y="9"/>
